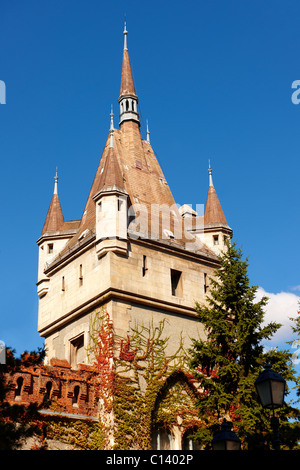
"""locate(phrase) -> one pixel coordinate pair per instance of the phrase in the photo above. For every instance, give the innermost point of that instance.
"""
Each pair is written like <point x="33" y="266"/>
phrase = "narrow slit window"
<point x="145" y="268"/>
<point x="75" y="396"/>
<point x="18" y="389"/>
<point x="205" y="283"/>
<point x="63" y="286"/>
<point x="80" y="275"/>
<point x="120" y="203"/>
<point x="48" y="390"/>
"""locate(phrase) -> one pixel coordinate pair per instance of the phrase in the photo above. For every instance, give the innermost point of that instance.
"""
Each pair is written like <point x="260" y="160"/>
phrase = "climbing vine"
<point x="141" y="386"/>
<point x="81" y="435"/>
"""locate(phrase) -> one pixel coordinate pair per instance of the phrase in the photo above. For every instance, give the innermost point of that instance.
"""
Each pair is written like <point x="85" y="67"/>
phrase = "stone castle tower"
<point x="133" y="254"/>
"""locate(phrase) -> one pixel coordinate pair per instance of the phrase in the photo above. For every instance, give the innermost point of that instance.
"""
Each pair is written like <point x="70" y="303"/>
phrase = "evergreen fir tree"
<point x="230" y="359"/>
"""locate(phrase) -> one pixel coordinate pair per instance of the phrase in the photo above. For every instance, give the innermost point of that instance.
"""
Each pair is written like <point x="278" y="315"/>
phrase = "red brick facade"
<point x="70" y="391"/>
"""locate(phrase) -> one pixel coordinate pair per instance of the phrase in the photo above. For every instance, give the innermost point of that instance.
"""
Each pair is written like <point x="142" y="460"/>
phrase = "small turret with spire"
<point x="55" y="219"/>
<point x="216" y="229"/>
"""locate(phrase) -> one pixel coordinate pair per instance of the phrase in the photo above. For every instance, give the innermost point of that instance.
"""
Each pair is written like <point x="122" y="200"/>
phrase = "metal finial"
<point x="55" y="182"/>
<point x="125" y="32"/>
<point x="148" y="133"/>
<point x="111" y="131"/>
<point x="210" y="174"/>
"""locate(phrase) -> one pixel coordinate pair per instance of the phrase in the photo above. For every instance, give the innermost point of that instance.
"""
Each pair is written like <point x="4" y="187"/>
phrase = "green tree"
<point x="231" y="357"/>
<point x="17" y="422"/>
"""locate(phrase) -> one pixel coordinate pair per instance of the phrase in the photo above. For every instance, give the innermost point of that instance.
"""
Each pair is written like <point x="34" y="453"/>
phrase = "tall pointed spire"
<point x="55" y="219"/>
<point x="213" y="211"/>
<point x="128" y="99"/>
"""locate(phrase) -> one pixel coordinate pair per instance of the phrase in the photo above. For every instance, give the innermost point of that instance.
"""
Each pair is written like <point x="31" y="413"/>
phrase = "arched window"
<point x="48" y="389"/>
<point x="188" y="443"/>
<point x="127" y="105"/>
<point x="162" y="440"/>
<point x="18" y="388"/>
<point x="75" y="396"/>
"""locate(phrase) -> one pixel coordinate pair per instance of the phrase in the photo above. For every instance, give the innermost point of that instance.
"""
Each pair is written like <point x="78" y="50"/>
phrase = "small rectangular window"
<point x="176" y="283"/>
<point x="77" y="352"/>
<point x="50" y="248"/>
<point x="216" y="239"/>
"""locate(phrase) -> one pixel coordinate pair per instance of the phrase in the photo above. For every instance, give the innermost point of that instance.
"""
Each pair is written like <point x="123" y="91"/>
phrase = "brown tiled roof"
<point x="213" y="211"/>
<point x="111" y="175"/>
<point x="55" y="219"/>
<point x="132" y="166"/>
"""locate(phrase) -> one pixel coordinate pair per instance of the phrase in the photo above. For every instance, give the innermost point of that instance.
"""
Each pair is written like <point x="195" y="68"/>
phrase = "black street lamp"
<point x="225" y="439"/>
<point x="270" y="387"/>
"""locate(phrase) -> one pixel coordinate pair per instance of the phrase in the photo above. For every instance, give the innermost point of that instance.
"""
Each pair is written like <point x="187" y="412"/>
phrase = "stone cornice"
<point x="118" y="294"/>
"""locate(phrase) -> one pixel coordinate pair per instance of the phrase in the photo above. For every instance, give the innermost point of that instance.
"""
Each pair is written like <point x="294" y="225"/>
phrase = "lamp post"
<point x="270" y="387"/>
<point x="225" y="439"/>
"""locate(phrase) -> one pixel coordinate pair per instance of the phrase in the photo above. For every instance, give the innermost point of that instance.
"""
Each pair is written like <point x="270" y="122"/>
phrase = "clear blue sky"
<point x="213" y="79"/>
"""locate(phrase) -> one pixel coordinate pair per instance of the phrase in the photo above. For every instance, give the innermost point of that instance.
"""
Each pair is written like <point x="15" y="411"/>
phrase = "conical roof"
<point x="111" y="175"/>
<point x="127" y="85"/>
<point x="213" y="211"/>
<point x="54" y="219"/>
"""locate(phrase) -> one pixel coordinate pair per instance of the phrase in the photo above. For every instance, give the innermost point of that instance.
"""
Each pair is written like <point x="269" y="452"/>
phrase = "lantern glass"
<point x="277" y="393"/>
<point x="219" y="445"/>
<point x="270" y="387"/>
<point x="226" y="439"/>
<point x="264" y="393"/>
<point x="233" y="445"/>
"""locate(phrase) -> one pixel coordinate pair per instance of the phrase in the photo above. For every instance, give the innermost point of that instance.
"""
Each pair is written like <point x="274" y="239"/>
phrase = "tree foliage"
<point x="230" y="358"/>
<point x="17" y="422"/>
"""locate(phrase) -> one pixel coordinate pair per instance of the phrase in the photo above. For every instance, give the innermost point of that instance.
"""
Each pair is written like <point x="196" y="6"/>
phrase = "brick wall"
<point x="69" y="391"/>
